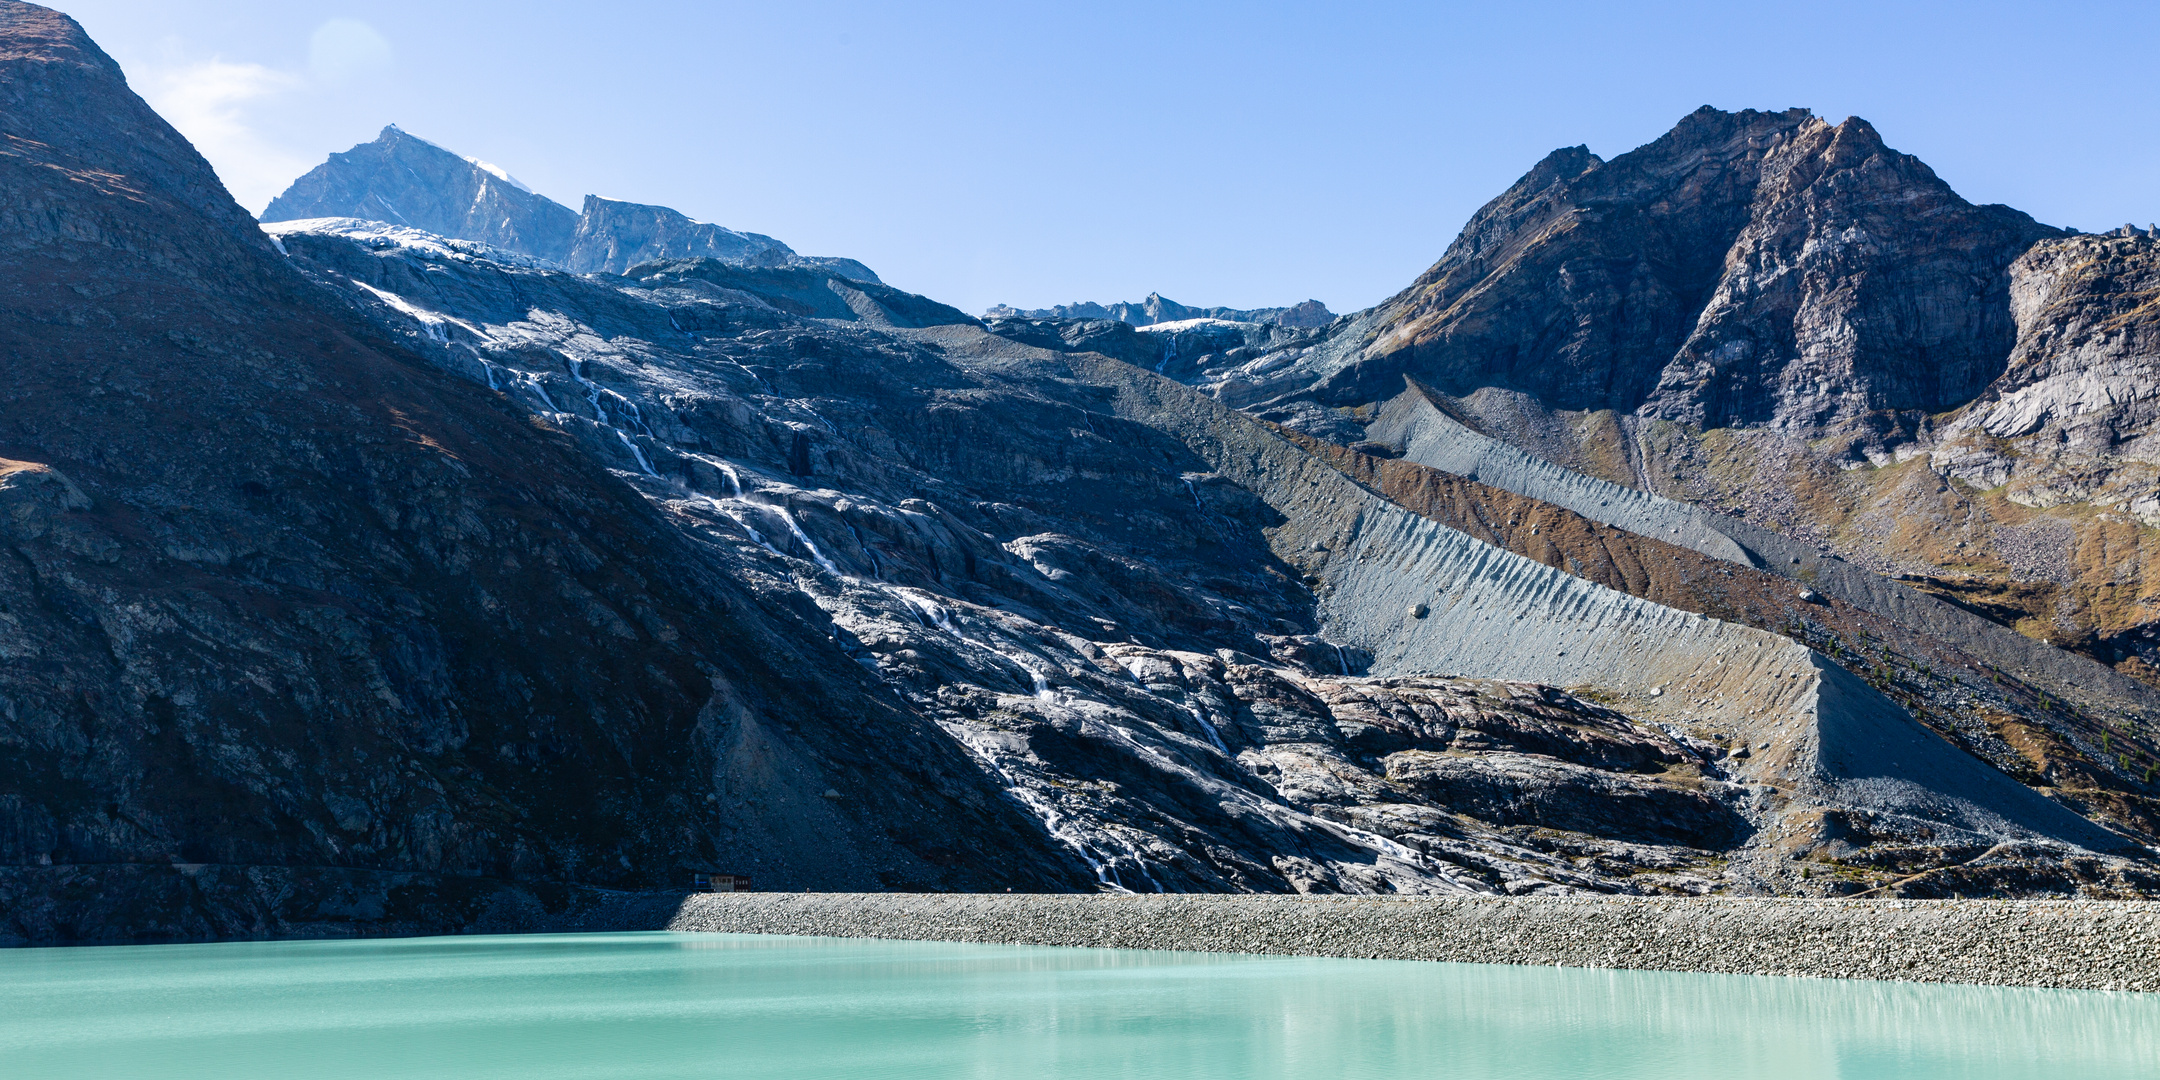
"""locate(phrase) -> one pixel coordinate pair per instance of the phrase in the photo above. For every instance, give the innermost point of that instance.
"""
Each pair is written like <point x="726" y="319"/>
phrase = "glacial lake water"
<point x="649" y="1005"/>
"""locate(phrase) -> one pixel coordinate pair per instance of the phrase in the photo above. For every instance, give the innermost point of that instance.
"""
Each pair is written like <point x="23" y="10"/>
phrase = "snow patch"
<point x="499" y="173"/>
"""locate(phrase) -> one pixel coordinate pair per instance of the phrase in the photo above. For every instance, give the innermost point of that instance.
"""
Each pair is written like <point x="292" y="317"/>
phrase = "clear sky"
<point x="1037" y="153"/>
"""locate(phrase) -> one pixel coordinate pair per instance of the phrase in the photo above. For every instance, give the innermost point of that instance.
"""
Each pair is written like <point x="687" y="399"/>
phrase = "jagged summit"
<point x="402" y="179"/>
<point x="1155" y="309"/>
<point x="1743" y="268"/>
<point x="405" y="180"/>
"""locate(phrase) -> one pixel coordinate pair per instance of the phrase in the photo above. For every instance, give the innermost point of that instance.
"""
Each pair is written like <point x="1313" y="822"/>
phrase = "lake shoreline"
<point x="2069" y="944"/>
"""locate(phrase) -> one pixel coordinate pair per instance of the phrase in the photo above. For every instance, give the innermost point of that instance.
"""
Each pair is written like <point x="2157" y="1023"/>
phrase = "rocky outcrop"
<point x="405" y="180"/>
<point x="2075" y="416"/>
<point x="1861" y="284"/>
<point x="613" y="236"/>
<point x="1156" y="309"/>
<point x="1579" y="283"/>
<point x="798" y="290"/>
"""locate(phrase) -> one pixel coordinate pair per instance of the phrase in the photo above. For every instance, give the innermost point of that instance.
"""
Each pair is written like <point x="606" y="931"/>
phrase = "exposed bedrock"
<point x="1497" y="614"/>
<point x="2073" y="418"/>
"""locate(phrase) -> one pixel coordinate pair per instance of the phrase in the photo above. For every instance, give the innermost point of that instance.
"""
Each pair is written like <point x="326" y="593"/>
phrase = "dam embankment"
<point x="2078" y="944"/>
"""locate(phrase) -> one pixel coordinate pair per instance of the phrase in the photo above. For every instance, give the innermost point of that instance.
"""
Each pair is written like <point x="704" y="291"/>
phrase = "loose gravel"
<point x="2091" y="945"/>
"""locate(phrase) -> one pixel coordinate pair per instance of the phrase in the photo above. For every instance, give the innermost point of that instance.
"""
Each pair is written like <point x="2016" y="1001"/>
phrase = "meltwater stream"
<point x="657" y="1005"/>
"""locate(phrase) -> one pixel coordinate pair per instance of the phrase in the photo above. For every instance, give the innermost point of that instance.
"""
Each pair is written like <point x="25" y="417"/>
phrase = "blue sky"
<point x="1243" y="154"/>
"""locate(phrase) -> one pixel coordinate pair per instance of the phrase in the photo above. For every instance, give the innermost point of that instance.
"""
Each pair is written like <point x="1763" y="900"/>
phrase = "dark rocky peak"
<point x="1861" y="284"/>
<point x="405" y="180"/>
<point x="61" y="98"/>
<point x="1743" y="268"/>
<point x="1157" y="309"/>
<point x="1577" y="284"/>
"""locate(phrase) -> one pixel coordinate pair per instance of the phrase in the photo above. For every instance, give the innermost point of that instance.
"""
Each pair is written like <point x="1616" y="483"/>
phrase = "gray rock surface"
<point x="1298" y="780"/>
<point x="613" y="236"/>
<point x="1156" y="309"/>
<point x="405" y="180"/>
<point x="2073" y="419"/>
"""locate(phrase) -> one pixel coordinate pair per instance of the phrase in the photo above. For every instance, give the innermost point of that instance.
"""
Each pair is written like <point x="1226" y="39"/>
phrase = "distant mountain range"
<point x="1155" y="310"/>
<point x="406" y="180"/>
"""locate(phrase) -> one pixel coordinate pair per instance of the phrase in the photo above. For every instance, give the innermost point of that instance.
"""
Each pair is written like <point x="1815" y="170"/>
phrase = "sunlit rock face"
<point x="403" y="180"/>
<point x="2073" y="418"/>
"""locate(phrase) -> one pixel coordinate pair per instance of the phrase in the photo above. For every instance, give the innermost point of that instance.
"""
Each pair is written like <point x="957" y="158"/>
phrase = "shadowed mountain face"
<point x="278" y="595"/>
<point x="360" y="578"/>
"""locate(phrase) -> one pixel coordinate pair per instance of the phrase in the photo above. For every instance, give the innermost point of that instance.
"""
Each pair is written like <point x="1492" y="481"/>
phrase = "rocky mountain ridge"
<point x="401" y="179"/>
<point x="1155" y="310"/>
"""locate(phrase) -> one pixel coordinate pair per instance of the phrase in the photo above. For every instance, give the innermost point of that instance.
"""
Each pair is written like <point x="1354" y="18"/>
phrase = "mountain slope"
<point x="375" y="580"/>
<point x="1110" y="615"/>
<point x="1785" y="320"/>
<point x="283" y="603"/>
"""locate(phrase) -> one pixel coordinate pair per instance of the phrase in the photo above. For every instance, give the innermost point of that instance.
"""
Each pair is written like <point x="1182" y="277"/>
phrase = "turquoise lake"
<point x="710" y="1005"/>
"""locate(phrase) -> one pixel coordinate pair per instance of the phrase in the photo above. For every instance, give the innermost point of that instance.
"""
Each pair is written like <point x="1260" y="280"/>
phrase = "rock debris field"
<point x="2089" y="945"/>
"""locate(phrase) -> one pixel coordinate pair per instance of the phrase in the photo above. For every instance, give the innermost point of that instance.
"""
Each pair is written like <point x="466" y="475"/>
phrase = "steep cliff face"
<point x="2075" y="416"/>
<point x="405" y="180"/>
<point x="276" y="595"/>
<point x="1861" y="284"/>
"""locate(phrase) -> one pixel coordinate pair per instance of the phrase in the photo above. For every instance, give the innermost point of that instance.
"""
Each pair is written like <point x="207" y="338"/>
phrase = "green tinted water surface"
<point x="706" y="1005"/>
